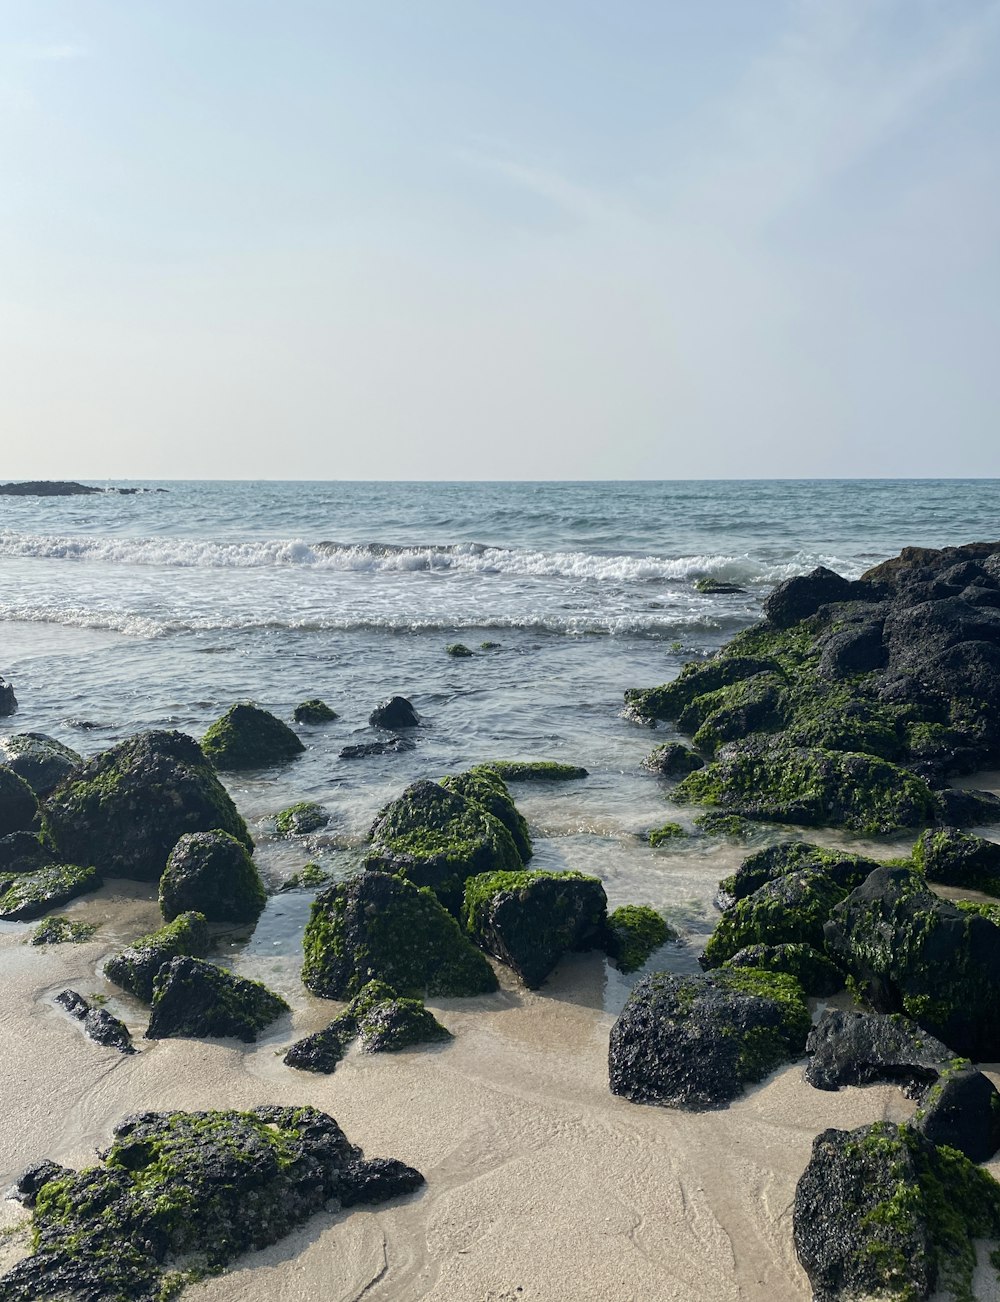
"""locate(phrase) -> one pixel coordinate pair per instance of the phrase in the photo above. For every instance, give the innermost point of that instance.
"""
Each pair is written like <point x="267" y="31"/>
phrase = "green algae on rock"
<point x="126" y="808"/>
<point x="665" y="834"/>
<point x="211" y="873"/>
<point x="28" y="895"/>
<point x="248" y="737"/>
<point x="394" y="1024"/>
<point x="383" y="1021"/>
<point x="673" y="760"/>
<point x="135" y="968"/>
<point x="484" y="786"/>
<point x="528" y="920"/>
<point x="301" y="818"/>
<point x="314" y="711"/>
<point x="42" y="761"/>
<point x="194" y="1187"/>
<point x="379" y="926"/>
<point x="193" y="999"/>
<point x="840" y="866"/>
<point x="816" y="974"/>
<point x="633" y="932"/>
<point x="536" y="771"/>
<point x="458" y="650"/>
<point x="59" y="930"/>
<point x="955" y="858"/>
<point x="790" y="908"/>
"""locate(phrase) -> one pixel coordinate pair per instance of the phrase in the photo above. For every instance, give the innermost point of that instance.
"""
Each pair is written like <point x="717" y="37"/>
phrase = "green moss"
<point x="247" y="737"/>
<point x="634" y="931"/>
<point x="485" y="787"/>
<point x="536" y="771"/>
<point x="311" y="877"/>
<point x="135" y="968"/>
<point x="193" y="999"/>
<point x="790" y="908"/>
<point x="28" y="895"/>
<point x="489" y="646"/>
<point x="314" y="711"/>
<point x="301" y="818"/>
<point x="668" y="832"/>
<point x="734" y="826"/>
<point x="814" y="972"/>
<point x="989" y="911"/>
<point x="394" y="1024"/>
<point x="459" y="650"/>
<point x="58" y="930"/>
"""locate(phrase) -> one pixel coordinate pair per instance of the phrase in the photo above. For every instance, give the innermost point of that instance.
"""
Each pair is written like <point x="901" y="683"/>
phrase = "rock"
<point x="47" y="488"/>
<point x="397" y="1024"/>
<point x="842" y="868"/>
<point x="954" y="858"/>
<point x="634" y="932"/>
<point x="366" y="748"/>
<point x="321" y="1051"/>
<point x="789" y="909"/>
<point x="42" y="761"/>
<point x="665" y="834"/>
<point x="814" y="972"/>
<point x="673" y="760"/>
<point x="247" y="737"/>
<point x="797" y="598"/>
<point x="23" y="852"/>
<point x="459" y="650"/>
<point x="29" y="1182"/>
<point x="394" y="712"/>
<point x="18" y="805"/>
<point x="716" y="587"/>
<point x="911" y="952"/>
<point x="849" y="1048"/>
<point x="437" y="838"/>
<point x="310" y="878"/>
<point x="300" y="819"/>
<point x="8" y="701"/>
<point x="962" y="1111"/>
<point x="198" y="1187"/>
<point x="193" y="999"/>
<point x="74" y="1003"/>
<point x="759" y="705"/>
<point x="30" y="894"/>
<point x="383" y="927"/>
<point x="536" y="771"/>
<point x="856" y="650"/>
<point x="383" y="1020"/>
<point x="98" y="1025"/>
<point x="882" y="1211"/>
<point x="695" y="679"/>
<point x="484" y="786"/>
<point x="967" y="808"/>
<point x="314" y="711"/>
<point x="125" y="810"/>
<point x="211" y="873"/>
<point x="135" y="968"/>
<point x="692" y="1042"/>
<point x="528" y="920"/>
<point x="62" y="931"/>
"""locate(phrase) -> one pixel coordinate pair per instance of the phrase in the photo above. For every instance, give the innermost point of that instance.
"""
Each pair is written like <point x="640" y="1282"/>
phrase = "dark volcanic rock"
<point x="47" y="488"/>
<point x="127" y="807"/>
<point x="135" y="968"/>
<point x="314" y="711"/>
<point x="881" y="1211"/>
<point x="18" y="805"/>
<point x="849" y="1048"/>
<point x="300" y="819"/>
<point x="844" y="869"/>
<point x="394" y="712"/>
<point x="8" y="701"/>
<point x="192" y="999"/>
<point x="789" y="909"/>
<point x="798" y="598"/>
<point x="321" y="1051"/>
<point x="98" y="1024"/>
<point x="856" y="650"/>
<point x="692" y="1041"/>
<point x="395" y="1024"/>
<point x="528" y="920"/>
<point x="42" y="761"/>
<point x="247" y="737"/>
<point x="29" y="1182"/>
<point x="966" y="808"/>
<point x="27" y="895"/>
<point x="673" y="760"/>
<point x="484" y="786"/>
<point x="814" y="972"/>
<point x="633" y="933"/>
<point x="956" y="858"/>
<point x="362" y="750"/>
<point x="211" y="873"/>
<point x="962" y="1110"/>
<point x="202" y="1186"/>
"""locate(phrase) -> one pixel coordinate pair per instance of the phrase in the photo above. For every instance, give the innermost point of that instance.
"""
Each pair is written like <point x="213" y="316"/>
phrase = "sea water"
<point x="159" y="608"/>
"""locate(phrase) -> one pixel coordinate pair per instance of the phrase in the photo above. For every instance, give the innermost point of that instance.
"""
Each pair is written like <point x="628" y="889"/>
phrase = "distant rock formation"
<point x="47" y="488"/>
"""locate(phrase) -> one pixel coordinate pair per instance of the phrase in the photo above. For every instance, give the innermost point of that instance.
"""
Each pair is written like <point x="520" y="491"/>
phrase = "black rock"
<point x="74" y="1003"/>
<point x="965" y="808"/>
<point x="8" y="701"/>
<point x="394" y="712"/>
<point x="17" y="802"/>
<point x="29" y="1182"/>
<point x="954" y="858"/>
<point x="378" y="1180"/>
<point x="815" y="973"/>
<point x="212" y="874"/>
<point x="797" y="598"/>
<point x="673" y="760"/>
<point x="42" y="761"/>
<point x="23" y="852"/>
<point x="47" y="488"/>
<point x="314" y="711"/>
<point x="395" y="1024"/>
<point x="98" y="1024"/>
<point x="321" y="1051"/>
<point x="26" y="895"/>
<point x="363" y="749"/>
<point x="962" y="1110"/>
<point x="192" y="999"/>
<point x="849" y="1048"/>
<point x="135" y="968"/>
<point x="856" y="650"/>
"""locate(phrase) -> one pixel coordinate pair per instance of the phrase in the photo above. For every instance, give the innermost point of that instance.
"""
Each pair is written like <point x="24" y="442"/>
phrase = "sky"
<point x="499" y="239"/>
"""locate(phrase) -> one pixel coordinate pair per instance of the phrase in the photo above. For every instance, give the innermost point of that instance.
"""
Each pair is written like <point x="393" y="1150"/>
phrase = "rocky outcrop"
<point x="136" y="967"/>
<point x="954" y="858"/>
<point x="247" y="737"/>
<point x="98" y="1024"/>
<point x="485" y="787"/>
<point x="42" y="761"/>
<point x="193" y="999"/>
<point x="47" y="488"/>
<point x="27" y="895"/>
<point x="845" y="870"/>
<point x="790" y="909"/>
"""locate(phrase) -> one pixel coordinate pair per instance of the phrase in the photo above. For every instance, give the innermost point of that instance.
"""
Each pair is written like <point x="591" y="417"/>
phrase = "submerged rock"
<point x="314" y="711"/>
<point x="247" y="737"/>
<point x="211" y="873"/>
<point x="98" y="1025"/>
<point x="300" y="819"/>
<point x="125" y="810"/>
<point x="58" y="930"/>
<point x="30" y="894"/>
<point x="536" y="771"/>
<point x="198" y="1187"/>
<point x="692" y="1042"/>
<point x="394" y="712"/>
<point x="193" y="999"/>
<point x="18" y="805"/>
<point x="362" y="750"/>
<point x="135" y="968"/>
<point x="632" y="934"/>
<point x="458" y="650"/>
<point x="42" y="761"/>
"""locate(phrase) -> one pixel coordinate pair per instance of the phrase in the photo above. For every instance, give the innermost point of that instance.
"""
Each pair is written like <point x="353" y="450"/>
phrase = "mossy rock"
<point x="790" y="908"/>
<point x="633" y="933"/>
<point x="842" y="867"/>
<point x="125" y="810"/>
<point x="58" y="930"/>
<point x="211" y="873"/>
<point x="394" y="1024"/>
<point x="673" y="760"/>
<point x="756" y="705"/>
<point x="382" y="927"/>
<point x="697" y="678"/>
<point x="310" y="878"/>
<point x="815" y="973"/>
<point x="28" y="895"/>
<point x="18" y="805"/>
<point x="247" y="737"/>
<point x="692" y="1042"/>
<point x="42" y="761"/>
<point x="458" y="650"/>
<point x="528" y="920"/>
<point x="193" y="999"/>
<point x="537" y="771"/>
<point x="135" y="968"/>
<point x="438" y="838"/>
<point x="321" y="1051"/>
<point x="882" y="1212"/>
<point x="301" y="818"/>
<point x="314" y="711"/>
<point x="665" y="834"/>
<point x="732" y="826"/>
<point x="484" y="786"/>
<point x="955" y="858"/>
<point x="198" y="1188"/>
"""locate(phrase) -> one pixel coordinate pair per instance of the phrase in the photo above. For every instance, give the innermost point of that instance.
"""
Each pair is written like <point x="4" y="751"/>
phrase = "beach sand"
<point x="541" y="1185"/>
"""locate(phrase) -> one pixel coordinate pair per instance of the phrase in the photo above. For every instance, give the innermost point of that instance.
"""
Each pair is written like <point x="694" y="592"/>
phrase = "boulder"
<point x="321" y="1051"/>
<point x="314" y="711"/>
<point x="300" y="819"/>
<point x="23" y="852"/>
<point x="247" y="737"/>
<point x="362" y="750"/>
<point x="484" y="786"/>
<point x="125" y="810"/>
<point x="212" y="874"/>
<point x="881" y="1211"/>
<point x="437" y="838"/>
<point x="962" y="1110"/>
<point x="198" y="1187"/>
<point x="692" y="1042"/>
<point x="42" y="761"/>
<point x="634" y="932"/>
<point x="136" y="967"/>
<point x="673" y="760"/>
<point x="536" y="771"/>
<point x="18" y="805"/>
<point x="855" y="650"/>
<point x="382" y="927"/>
<point x="851" y="1048"/>
<point x="58" y="930"/>
<point x="98" y="1025"/>
<point x="8" y="701"/>
<point x="955" y="858"/>
<point x="528" y="920"/>
<point x="394" y="712"/>
<point x="458" y="650"/>
<point x="789" y="909"/>
<point x="394" y="1024"/>
<point x="814" y="972"/>
<point x="955" y="806"/>
<point x="909" y="951"/>
<point x="797" y="598"/>
<point x="193" y="999"/>
<point x="666" y="834"/>
<point x="695" y="680"/>
<point x="842" y="868"/>
<point x="28" y="895"/>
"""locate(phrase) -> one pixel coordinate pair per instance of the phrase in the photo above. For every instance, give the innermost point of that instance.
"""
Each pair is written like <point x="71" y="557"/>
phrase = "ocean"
<point x="159" y="609"/>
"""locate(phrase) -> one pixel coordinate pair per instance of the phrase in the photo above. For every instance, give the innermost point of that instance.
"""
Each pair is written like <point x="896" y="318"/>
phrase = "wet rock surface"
<point x="136" y="967"/>
<point x="211" y="873"/>
<point x="98" y="1024"/>
<point x="194" y="999"/>
<point x="248" y="737"/>
<point x="40" y="760"/>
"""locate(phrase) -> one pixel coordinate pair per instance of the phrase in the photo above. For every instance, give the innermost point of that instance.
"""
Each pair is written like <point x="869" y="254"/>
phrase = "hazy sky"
<point x="499" y="238"/>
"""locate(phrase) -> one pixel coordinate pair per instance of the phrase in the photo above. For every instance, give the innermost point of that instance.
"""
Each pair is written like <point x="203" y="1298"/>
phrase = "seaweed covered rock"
<point x="248" y="737"/>
<point x="126" y="808"/>
<point x="18" y="805"/>
<point x="193" y="998"/>
<point x="394" y="712"/>
<point x="135" y="968"/>
<point x="665" y="834"/>
<point x="314" y="711"/>
<point x="438" y="838"/>
<point x="377" y="1014"/>
<point x="394" y="1024"/>
<point x="8" y="701"/>
<point x="633" y="932"/>
<point x="23" y="852"/>
<point x="851" y="1048"/>
<point x="30" y="894"/>
<point x="382" y="927"/>
<point x="792" y="908"/>
<point x="537" y="771"/>
<point x="694" y="681"/>
<point x="673" y="760"/>
<point x="301" y="818"/>
<point x="841" y="867"/>
<point x="881" y="1211"/>
<point x="956" y="858"/>
<point x="59" y="930"/>
<point x="815" y="973"/>
<point x="211" y="873"/>
<point x="98" y="1024"/>
<point x="911" y="952"/>
<point x="201" y="1187"/>
<point x="321" y="1051"/>
<point x="42" y="761"/>
<point x="692" y="1042"/>
<point x="458" y="650"/>
<point x="365" y="749"/>
<point x="528" y="920"/>
<point x="484" y="786"/>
